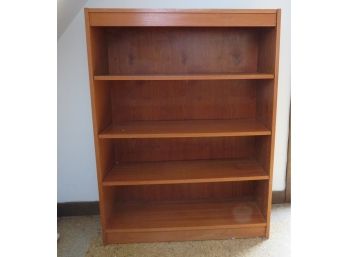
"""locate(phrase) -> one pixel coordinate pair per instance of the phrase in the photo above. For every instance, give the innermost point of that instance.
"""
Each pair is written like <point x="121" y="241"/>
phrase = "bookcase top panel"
<point x="175" y="10"/>
<point x="182" y="17"/>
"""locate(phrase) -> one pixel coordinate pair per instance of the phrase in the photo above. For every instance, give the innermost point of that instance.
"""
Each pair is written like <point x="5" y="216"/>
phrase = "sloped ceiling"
<point x="67" y="10"/>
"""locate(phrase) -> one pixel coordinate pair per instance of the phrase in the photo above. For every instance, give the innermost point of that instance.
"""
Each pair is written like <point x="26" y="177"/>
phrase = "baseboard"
<point x="92" y="208"/>
<point x="278" y="197"/>
<point x="77" y="208"/>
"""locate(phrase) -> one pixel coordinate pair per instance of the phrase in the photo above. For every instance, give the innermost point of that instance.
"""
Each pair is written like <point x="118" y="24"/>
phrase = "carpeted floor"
<point x="80" y="236"/>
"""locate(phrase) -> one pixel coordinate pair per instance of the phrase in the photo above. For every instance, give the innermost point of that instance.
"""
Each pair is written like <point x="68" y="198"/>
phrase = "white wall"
<point x="67" y="10"/>
<point x="76" y="162"/>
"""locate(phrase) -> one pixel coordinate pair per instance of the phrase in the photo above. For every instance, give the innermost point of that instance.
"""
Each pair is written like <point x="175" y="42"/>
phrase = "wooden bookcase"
<point x="184" y="105"/>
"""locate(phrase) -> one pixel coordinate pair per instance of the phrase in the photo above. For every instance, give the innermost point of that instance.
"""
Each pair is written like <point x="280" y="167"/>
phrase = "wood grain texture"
<point x="264" y="102"/>
<point x="189" y="128"/>
<point x="96" y="63"/>
<point x="181" y="235"/>
<point x="184" y="100"/>
<point x="98" y="52"/>
<point x="102" y="104"/>
<point x="177" y="97"/>
<point x="174" y="149"/>
<point x="261" y="193"/>
<point x="189" y="18"/>
<point x="171" y="77"/>
<point x="267" y="51"/>
<point x="175" y="172"/>
<point x="182" y="50"/>
<point x="274" y="113"/>
<point x="243" y="190"/>
<point x="136" y="217"/>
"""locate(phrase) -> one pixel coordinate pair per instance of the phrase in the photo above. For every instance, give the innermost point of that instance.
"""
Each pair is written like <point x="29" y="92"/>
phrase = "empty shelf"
<point x="169" y="216"/>
<point x="175" y="172"/>
<point x="189" y="128"/>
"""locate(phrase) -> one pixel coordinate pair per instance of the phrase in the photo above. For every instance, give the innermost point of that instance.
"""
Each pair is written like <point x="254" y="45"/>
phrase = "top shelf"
<point x="205" y="76"/>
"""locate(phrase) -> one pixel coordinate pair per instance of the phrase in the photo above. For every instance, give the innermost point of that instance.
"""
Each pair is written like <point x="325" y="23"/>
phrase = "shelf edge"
<point x="124" y="230"/>
<point x="186" y="135"/>
<point x="252" y="76"/>
<point x="184" y="181"/>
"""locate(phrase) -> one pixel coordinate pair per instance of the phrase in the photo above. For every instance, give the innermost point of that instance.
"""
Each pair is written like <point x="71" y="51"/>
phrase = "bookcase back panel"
<point x="142" y="150"/>
<point x="186" y="192"/>
<point x="264" y="102"/>
<point x="181" y="50"/>
<point x="263" y="152"/>
<point x="183" y="100"/>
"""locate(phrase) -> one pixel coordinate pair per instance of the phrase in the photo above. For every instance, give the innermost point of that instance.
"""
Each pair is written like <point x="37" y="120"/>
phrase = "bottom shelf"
<point x="184" y="215"/>
<point x="183" y="235"/>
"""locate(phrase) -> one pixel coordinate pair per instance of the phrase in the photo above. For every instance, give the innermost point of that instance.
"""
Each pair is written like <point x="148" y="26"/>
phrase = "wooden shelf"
<point x="189" y="128"/>
<point x="176" y="172"/>
<point x="186" y="215"/>
<point x="212" y="76"/>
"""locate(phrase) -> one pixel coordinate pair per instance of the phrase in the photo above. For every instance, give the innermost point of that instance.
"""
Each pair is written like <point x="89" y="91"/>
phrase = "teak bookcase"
<point x="184" y="105"/>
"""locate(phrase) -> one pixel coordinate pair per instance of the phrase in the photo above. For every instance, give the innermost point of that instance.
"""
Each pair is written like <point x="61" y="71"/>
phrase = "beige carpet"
<point x="278" y="245"/>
